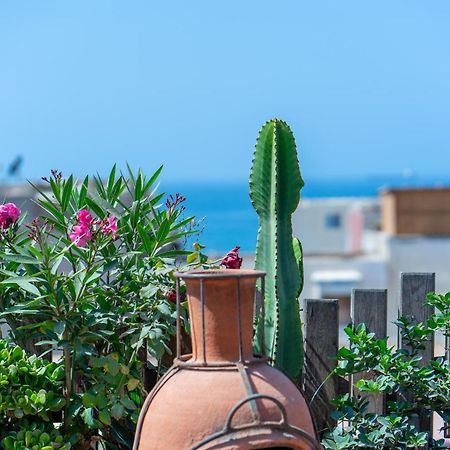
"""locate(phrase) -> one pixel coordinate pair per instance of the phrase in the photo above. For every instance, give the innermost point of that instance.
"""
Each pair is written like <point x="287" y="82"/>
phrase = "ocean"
<point x="226" y="217"/>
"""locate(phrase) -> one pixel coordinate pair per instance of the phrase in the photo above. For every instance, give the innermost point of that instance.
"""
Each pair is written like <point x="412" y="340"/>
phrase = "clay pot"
<point x="190" y="407"/>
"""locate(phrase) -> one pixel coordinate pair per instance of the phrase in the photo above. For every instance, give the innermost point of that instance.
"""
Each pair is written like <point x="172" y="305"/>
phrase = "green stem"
<point x="321" y="385"/>
<point x="68" y="380"/>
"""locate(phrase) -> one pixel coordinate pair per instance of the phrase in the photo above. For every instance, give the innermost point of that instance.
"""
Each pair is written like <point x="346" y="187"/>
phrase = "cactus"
<point x="275" y="184"/>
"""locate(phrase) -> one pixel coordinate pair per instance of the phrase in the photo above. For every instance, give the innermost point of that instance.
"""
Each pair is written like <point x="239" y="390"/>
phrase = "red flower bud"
<point x="172" y="296"/>
<point x="232" y="260"/>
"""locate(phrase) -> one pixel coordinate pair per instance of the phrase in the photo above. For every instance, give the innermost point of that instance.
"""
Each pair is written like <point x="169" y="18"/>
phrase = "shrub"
<point x="412" y="387"/>
<point x="30" y="390"/>
<point x="35" y="437"/>
<point x="92" y="280"/>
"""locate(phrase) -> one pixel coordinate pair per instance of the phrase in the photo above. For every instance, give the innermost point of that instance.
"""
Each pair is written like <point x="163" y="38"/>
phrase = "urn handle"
<point x="229" y="425"/>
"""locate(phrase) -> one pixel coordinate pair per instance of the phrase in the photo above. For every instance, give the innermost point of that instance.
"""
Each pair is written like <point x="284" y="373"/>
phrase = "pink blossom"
<point x="110" y="226"/>
<point x="9" y="213"/>
<point x="84" y="216"/>
<point x="232" y="260"/>
<point x="80" y="234"/>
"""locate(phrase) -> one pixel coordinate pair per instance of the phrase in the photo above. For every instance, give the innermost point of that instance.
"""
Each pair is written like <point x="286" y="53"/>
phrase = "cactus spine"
<point x="275" y="184"/>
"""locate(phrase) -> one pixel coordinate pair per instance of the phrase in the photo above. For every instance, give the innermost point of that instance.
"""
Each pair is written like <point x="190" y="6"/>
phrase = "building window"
<point x="332" y="221"/>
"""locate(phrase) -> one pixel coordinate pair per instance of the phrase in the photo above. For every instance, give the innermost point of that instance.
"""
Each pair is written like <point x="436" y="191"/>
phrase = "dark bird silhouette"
<point x="15" y="166"/>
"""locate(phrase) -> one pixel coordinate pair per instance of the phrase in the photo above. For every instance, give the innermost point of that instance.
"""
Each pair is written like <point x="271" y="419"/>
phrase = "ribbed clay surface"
<point x="192" y="404"/>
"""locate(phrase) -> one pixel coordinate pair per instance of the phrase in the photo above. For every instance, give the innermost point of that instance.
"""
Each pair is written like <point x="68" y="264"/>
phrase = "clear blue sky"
<point x="365" y="85"/>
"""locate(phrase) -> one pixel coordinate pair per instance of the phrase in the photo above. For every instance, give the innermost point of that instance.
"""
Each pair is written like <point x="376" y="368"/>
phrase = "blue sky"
<point x="364" y="85"/>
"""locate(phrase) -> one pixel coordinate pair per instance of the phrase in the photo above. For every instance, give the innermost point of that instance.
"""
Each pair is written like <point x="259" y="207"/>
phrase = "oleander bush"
<point x="90" y="282"/>
<point x="413" y="387"/>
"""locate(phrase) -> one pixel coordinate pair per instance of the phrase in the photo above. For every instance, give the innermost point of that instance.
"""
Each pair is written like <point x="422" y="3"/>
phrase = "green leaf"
<point x="127" y="402"/>
<point x="132" y="384"/>
<point x="149" y="291"/>
<point x="88" y="417"/>
<point x="89" y="400"/>
<point x="197" y="246"/>
<point x="117" y="411"/>
<point x="56" y="404"/>
<point x="94" y="206"/>
<point x="164" y="309"/>
<point x="111" y="179"/>
<point x="83" y="193"/>
<point x="66" y="193"/>
<point x="22" y="259"/>
<point x="173" y="253"/>
<point x="8" y="443"/>
<point x="112" y="366"/>
<point x="59" y="329"/>
<point x="56" y="263"/>
<point x="147" y="242"/>
<point x="42" y="396"/>
<point x="153" y="178"/>
<point x="163" y="231"/>
<point x="24" y="283"/>
<point x="192" y="257"/>
<point x="138" y="187"/>
<point x="105" y="417"/>
<point x="101" y="400"/>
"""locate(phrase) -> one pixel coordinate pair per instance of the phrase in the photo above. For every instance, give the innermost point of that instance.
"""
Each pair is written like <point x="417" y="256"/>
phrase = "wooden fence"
<point x="369" y="306"/>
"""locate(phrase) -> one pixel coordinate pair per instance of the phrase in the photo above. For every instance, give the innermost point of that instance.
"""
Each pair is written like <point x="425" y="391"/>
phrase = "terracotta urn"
<point x="223" y="396"/>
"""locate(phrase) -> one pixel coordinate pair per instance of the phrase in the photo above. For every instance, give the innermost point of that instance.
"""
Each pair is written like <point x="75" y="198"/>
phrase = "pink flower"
<point x="84" y="216"/>
<point x="232" y="260"/>
<point x="87" y="228"/>
<point x="80" y="234"/>
<point x="9" y="213"/>
<point x="110" y="226"/>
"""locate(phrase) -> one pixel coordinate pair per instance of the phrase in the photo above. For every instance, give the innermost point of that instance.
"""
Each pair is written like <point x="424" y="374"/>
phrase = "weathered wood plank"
<point x="369" y="306"/>
<point x="413" y="294"/>
<point x="414" y="288"/>
<point x="321" y="346"/>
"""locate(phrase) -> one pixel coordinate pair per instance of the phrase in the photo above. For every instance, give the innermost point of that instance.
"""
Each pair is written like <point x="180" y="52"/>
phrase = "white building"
<point x="366" y="243"/>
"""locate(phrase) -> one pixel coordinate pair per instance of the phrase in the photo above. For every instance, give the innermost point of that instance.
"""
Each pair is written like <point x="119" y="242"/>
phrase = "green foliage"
<point x="372" y="431"/>
<point x="275" y="184"/>
<point x="30" y="400"/>
<point x="33" y="436"/>
<point x="104" y="303"/>
<point x="412" y="385"/>
<point x="29" y="386"/>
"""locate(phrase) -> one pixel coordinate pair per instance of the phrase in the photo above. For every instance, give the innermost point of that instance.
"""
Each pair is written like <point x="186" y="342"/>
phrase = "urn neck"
<point x="221" y="305"/>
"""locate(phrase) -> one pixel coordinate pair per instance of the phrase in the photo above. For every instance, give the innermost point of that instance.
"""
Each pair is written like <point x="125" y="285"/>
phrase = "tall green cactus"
<point x="275" y="184"/>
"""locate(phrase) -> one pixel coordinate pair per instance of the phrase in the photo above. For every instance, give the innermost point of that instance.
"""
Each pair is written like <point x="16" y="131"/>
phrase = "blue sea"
<point x="227" y="218"/>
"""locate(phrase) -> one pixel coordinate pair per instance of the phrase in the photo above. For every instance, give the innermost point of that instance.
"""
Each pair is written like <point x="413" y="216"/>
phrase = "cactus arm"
<point x="275" y="184"/>
<point x="262" y="187"/>
<point x="298" y="252"/>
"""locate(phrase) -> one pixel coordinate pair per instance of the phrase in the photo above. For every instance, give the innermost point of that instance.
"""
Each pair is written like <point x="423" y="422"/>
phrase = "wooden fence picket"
<point x="369" y="306"/>
<point x="321" y="346"/>
<point x="414" y="288"/>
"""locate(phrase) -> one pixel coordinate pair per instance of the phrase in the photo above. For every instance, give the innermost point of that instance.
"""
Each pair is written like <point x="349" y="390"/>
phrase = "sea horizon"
<point x="226" y="216"/>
